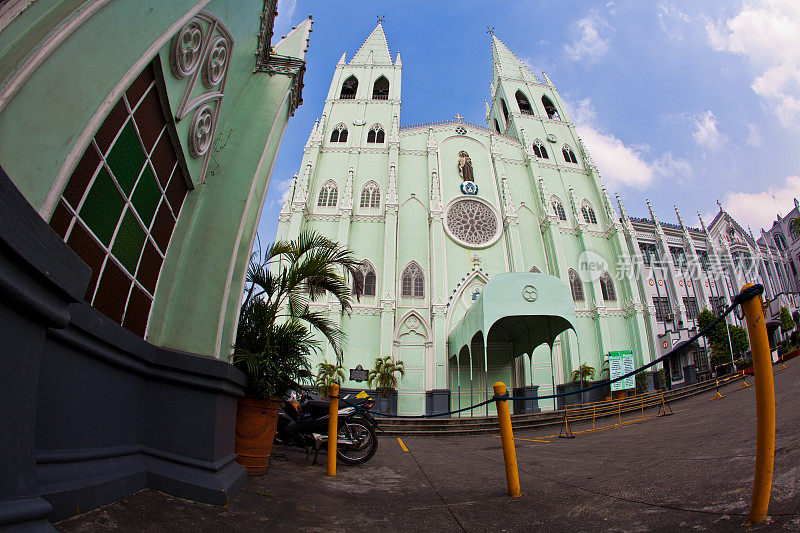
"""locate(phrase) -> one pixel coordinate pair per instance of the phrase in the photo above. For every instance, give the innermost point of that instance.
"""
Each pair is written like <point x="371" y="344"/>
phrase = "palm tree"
<point x="293" y="274"/>
<point x="275" y="333"/>
<point x="583" y="374"/>
<point x="328" y="373"/>
<point x="384" y="374"/>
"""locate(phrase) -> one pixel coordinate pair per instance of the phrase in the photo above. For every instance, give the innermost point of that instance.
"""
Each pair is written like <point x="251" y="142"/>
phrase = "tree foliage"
<point x="327" y="374"/>
<point x="384" y="375"/>
<point x="787" y="322"/>
<point x="274" y="337"/>
<point x="584" y="373"/>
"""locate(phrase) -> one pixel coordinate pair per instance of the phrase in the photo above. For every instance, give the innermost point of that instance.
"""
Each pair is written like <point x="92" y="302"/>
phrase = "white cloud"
<point x="767" y="34"/>
<point x="754" y="136"/>
<point x="758" y="209"/>
<point x="706" y="133"/>
<point x="672" y="20"/>
<point x="623" y="164"/>
<point x="588" y="43"/>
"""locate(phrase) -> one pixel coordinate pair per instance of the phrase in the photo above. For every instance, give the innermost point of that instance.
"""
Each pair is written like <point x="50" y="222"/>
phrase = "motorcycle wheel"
<point x="364" y="438"/>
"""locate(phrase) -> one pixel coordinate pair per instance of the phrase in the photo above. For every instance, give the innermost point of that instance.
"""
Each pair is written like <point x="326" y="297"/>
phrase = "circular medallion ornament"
<point x="359" y="121"/>
<point x="186" y="47"/>
<point x="216" y="63"/>
<point x="530" y="293"/>
<point x="551" y="137"/>
<point x="469" y="187"/>
<point x="664" y="345"/>
<point x="652" y="282"/>
<point x="472" y="222"/>
<point x="200" y="131"/>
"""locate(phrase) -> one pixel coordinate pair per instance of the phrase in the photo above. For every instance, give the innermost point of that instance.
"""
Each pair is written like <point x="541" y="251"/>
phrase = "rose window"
<point x="472" y="222"/>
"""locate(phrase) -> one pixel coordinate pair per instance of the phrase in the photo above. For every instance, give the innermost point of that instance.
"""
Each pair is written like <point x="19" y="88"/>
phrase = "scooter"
<point x="304" y="424"/>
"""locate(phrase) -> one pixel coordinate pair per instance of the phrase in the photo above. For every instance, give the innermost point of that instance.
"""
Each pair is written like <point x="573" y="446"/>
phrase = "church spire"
<point x="375" y="46"/>
<point x="505" y="63"/>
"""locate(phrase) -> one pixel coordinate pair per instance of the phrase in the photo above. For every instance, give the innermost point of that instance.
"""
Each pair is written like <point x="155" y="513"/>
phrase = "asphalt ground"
<point x="689" y="471"/>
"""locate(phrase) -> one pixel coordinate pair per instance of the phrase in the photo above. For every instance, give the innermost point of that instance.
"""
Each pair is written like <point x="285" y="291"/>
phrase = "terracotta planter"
<point x="256" y="424"/>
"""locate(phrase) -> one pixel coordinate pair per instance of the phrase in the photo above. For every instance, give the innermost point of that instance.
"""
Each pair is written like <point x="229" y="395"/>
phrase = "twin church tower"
<point x="435" y="210"/>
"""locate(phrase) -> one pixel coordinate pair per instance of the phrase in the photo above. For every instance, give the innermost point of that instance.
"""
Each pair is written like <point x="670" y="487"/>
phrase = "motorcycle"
<point x="304" y="423"/>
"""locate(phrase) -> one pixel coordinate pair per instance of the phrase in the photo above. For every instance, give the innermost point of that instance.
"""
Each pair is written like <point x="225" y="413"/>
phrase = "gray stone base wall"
<point x="98" y="412"/>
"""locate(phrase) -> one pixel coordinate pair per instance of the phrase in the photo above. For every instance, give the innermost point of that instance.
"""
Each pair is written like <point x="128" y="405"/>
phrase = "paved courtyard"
<point x="692" y="470"/>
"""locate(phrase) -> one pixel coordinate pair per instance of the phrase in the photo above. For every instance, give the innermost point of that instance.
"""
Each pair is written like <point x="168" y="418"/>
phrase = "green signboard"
<point x="619" y="364"/>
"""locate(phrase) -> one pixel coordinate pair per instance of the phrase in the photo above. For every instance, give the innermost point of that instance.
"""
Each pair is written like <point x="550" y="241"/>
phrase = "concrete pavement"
<point x="692" y="470"/>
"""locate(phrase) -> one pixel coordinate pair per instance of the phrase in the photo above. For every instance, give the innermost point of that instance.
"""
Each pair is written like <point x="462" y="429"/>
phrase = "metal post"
<point x="765" y="407"/>
<point x="507" y="438"/>
<point x="333" y="426"/>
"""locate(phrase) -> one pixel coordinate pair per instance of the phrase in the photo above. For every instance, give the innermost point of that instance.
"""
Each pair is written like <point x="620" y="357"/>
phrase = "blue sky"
<point x="681" y="102"/>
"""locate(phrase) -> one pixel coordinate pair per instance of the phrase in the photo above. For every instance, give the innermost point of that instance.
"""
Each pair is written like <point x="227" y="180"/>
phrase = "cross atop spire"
<point x="490" y="29"/>
<point x="381" y="18"/>
<point x="458" y="117"/>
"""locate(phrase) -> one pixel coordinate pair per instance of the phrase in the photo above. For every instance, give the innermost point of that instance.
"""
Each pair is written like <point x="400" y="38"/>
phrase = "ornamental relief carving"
<point x="200" y="54"/>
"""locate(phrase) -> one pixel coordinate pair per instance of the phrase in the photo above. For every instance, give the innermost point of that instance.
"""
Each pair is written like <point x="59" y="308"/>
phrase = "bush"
<point x="721" y="359"/>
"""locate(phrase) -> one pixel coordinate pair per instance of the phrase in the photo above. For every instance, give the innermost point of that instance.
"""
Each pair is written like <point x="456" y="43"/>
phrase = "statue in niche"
<point x="465" y="166"/>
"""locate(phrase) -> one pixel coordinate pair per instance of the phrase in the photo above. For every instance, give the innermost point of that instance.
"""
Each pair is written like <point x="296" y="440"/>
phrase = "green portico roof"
<point x="529" y="309"/>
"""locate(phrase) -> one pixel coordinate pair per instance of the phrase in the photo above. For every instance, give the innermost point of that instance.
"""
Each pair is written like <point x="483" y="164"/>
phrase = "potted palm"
<point x="327" y="374"/>
<point x="385" y="377"/>
<point x="275" y="335"/>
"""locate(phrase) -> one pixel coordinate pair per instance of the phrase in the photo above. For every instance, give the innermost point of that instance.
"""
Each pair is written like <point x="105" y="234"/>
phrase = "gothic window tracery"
<point x="576" y="286"/>
<point x="523" y="103"/>
<point x="349" y="88"/>
<point x="588" y="213"/>
<point x="558" y="208"/>
<point x="607" y="287"/>
<point x="413" y="281"/>
<point x="539" y="149"/>
<point x="550" y="109"/>
<point x="380" y="90"/>
<point x="339" y="133"/>
<point x="534" y="269"/>
<point x="471" y="222"/>
<point x="375" y="134"/>
<point x="370" y="196"/>
<point x="569" y="155"/>
<point x="365" y="275"/>
<point x="328" y="194"/>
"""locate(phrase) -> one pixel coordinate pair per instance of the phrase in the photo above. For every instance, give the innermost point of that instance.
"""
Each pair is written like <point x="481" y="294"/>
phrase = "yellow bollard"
<point x="333" y="426"/>
<point x="765" y="407"/>
<point x="507" y="438"/>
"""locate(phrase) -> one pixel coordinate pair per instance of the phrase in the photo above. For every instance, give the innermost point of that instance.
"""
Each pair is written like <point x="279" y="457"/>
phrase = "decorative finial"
<point x="490" y="30"/>
<point x="719" y="204"/>
<point x="458" y="117"/>
<point x="381" y="18"/>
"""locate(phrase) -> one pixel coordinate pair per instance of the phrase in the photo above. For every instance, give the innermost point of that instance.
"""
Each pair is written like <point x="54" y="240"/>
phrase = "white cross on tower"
<point x="458" y="117"/>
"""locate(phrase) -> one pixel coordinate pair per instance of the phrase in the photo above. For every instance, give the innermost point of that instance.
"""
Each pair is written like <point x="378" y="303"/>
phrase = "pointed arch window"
<point x="558" y="208"/>
<point x="780" y="242"/>
<point x="370" y="196"/>
<point x="535" y="270"/>
<point x="504" y="108"/>
<point x="380" y="90"/>
<point x="365" y="275"/>
<point x="375" y="134"/>
<point x="550" y="109"/>
<point x="569" y="155"/>
<point x="496" y="126"/>
<point x="539" y="149"/>
<point x="523" y="103"/>
<point x="576" y="286"/>
<point x="339" y="133"/>
<point x="412" y="281"/>
<point x="588" y="213"/>
<point x="328" y="194"/>
<point x="349" y="88"/>
<point x="607" y="287"/>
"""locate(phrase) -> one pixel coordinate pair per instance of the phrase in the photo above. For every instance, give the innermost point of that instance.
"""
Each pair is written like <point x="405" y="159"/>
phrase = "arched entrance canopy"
<point x="531" y="309"/>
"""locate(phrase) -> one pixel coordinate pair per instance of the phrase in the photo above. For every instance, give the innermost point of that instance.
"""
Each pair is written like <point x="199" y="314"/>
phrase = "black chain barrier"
<point x="745" y="295"/>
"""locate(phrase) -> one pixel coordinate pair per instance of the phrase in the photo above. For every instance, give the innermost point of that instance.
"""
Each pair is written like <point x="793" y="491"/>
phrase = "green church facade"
<point x="436" y="210"/>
